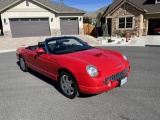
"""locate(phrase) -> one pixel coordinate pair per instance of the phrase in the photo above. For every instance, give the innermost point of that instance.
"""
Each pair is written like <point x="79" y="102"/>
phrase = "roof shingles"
<point x="61" y="8"/>
<point x="57" y="7"/>
<point x="149" y="5"/>
<point x="5" y="3"/>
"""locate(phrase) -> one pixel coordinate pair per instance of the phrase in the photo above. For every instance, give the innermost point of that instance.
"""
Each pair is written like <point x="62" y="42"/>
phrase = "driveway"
<point x="13" y="43"/>
<point x="31" y="96"/>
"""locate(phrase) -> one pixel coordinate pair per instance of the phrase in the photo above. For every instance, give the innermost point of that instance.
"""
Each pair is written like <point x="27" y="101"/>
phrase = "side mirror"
<point x="40" y="50"/>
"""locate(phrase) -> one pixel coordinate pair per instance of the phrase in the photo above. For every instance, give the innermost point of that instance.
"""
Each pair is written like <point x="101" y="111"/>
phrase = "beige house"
<point x="137" y="17"/>
<point x="28" y="18"/>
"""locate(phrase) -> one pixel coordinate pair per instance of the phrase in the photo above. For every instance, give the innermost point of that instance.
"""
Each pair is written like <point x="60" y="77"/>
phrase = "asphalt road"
<point x="31" y="96"/>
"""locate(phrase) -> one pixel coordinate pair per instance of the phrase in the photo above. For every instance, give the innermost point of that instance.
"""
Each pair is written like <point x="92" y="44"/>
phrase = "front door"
<point x="109" y="22"/>
<point x="29" y="57"/>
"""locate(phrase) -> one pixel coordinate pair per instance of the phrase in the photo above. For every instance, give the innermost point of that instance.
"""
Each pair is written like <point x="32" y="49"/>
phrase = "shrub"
<point x="105" y="30"/>
<point x="109" y="40"/>
<point x="118" y="36"/>
<point x="124" y="34"/>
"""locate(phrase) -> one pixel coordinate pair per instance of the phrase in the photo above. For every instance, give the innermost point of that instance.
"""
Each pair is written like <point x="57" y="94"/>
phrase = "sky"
<point x="86" y="5"/>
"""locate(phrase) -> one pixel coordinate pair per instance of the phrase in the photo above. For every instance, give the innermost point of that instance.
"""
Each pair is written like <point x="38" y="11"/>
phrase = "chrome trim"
<point x="117" y="76"/>
<point x="46" y="47"/>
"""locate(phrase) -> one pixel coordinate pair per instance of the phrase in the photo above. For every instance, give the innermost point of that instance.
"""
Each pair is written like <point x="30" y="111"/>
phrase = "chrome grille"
<point x="117" y="76"/>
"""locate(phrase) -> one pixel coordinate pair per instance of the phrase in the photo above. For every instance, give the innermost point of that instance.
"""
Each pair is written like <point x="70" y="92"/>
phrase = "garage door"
<point x="29" y="27"/>
<point x="152" y="24"/>
<point x="69" y="26"/>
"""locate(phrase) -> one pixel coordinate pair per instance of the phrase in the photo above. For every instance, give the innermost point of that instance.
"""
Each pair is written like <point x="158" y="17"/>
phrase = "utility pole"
<point x="61" y="1"/>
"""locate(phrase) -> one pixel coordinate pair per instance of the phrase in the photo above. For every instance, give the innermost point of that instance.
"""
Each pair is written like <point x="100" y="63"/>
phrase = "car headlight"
<point x="124" y="57"/>
<point x="92" y="71"/>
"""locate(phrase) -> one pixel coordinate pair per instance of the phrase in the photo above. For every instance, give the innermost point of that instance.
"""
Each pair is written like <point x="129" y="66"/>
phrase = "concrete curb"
<point x="8" y="50"/>
<point x="134" y="45"/>
<point x="152" y="45"/>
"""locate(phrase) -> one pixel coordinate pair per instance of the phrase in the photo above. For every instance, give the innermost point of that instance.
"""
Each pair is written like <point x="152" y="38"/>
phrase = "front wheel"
<point x="68" y="85"/>
<point x="23" y="65"/>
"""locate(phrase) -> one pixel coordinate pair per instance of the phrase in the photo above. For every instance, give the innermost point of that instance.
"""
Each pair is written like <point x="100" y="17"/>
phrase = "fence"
<point x="89" y="29"/>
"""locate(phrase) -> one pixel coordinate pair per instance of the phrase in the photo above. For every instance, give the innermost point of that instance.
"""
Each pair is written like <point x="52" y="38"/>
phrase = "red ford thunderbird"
<point x="76" y="66"/>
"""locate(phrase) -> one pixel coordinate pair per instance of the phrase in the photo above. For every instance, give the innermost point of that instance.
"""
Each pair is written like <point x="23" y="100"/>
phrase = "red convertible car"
<point x="76" y="66"/>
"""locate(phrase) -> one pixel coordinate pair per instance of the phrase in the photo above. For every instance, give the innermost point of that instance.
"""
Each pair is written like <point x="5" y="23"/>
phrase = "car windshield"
<point x="63" y="45"/>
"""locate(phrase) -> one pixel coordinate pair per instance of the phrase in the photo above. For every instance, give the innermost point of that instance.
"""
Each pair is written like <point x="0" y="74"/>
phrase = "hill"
<point x="93" y="15"/>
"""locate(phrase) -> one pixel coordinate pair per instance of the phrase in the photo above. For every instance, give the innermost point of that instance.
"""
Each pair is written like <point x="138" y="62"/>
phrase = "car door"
<point x="47" y="65"/>
<point x="29" y="56"/>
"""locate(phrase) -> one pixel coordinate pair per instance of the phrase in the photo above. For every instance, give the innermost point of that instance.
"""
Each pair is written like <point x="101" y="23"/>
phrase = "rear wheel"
<point x="23" y="65"/>
<point x="68" y="85"/>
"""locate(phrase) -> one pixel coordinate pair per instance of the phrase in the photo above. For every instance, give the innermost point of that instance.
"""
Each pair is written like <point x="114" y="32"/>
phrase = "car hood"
<point x="100" y="58"/>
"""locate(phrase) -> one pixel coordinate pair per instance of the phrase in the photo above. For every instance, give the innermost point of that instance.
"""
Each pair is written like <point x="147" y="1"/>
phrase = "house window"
<point x="121" y="22"/>
<point x="126" y="22"/>
<point x="129" y="21"/>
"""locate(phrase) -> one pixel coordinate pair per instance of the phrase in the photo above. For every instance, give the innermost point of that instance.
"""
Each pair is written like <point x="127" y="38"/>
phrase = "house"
<point x="137" y="17"/>
<point x="28" y="18"/>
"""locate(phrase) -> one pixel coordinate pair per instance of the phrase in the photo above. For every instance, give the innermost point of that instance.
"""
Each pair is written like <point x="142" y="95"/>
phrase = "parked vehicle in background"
<point x="157" y="29"/>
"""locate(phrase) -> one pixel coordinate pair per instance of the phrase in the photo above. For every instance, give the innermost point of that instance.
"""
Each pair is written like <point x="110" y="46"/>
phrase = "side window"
<point x="51" y="45"/>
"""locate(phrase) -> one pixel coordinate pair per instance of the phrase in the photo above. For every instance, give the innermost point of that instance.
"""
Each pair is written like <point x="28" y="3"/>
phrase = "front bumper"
<point x="100" y="89"/>
<point x="106" y="80"/>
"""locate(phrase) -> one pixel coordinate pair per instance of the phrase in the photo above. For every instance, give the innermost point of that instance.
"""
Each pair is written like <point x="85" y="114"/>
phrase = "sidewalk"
<point x="117" y="41"/>
<point x="11" y="44"/>
<point x="151" y="40"/>
<point x="137" y="41"/>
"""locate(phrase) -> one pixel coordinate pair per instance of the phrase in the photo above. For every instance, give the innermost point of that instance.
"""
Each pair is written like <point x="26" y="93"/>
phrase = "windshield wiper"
<point x="62" y="52"/>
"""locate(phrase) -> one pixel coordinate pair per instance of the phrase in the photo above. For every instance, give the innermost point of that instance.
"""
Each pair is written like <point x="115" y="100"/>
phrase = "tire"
<point x="68" y="85"/>
<point x="22" y="64"/>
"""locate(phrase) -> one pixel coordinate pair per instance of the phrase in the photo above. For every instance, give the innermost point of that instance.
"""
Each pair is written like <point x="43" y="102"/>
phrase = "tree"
<point x="87" y="20"/>
<point x="98" y="18"/>
<point x="98" y="22"/>
<point x="105" y="30"/>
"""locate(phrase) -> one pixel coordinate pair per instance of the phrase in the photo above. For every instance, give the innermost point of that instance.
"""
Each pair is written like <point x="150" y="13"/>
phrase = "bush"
<point x="90" y="21"/>
<point x="118" y="36"/>
<point x="109" y="40"/>
<point x="124" y="34"/>
<point x="87" y="20"/>
<point x="105" y="30"/>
